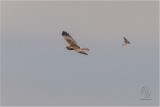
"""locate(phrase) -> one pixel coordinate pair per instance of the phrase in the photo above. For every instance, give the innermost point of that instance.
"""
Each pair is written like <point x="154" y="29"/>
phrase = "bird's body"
<point x="72" y="44"/>
<point x="125" y="42"/>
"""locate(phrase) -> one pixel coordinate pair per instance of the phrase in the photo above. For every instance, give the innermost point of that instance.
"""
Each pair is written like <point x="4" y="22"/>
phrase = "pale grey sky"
<point x="37" y="69"/>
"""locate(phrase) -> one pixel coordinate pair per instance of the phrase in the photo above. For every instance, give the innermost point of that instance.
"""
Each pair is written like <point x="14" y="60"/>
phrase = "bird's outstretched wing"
<point x="81" y="51"/>
<point x="68" y="38"/>
<point x="125" y="39"/>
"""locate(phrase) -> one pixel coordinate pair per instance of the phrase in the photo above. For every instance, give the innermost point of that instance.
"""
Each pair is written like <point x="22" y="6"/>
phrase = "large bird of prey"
<point x="125" y="42"/>
<point x="72" y="44"/>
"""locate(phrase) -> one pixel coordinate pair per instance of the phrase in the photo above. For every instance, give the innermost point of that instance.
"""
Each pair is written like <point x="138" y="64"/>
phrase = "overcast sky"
<point x="37" y="69"/>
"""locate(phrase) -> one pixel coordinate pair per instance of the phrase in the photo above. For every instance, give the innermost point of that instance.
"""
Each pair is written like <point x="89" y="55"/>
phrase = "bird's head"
<point x="69" y="48"/>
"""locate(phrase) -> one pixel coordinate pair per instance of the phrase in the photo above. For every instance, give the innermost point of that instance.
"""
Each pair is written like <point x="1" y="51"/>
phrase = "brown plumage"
<point x="72" y="44"/>
<point x="125" y="42"/>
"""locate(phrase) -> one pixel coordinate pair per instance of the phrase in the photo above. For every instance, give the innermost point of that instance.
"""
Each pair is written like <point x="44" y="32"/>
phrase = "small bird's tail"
<point x="85" y="49"/>
<point x="81" y="51"/>
<point x="124" y="44"/>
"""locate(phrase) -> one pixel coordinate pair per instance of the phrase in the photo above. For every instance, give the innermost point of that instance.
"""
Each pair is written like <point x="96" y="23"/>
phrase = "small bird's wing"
<point x="81" y="51"/>
<point x="125" y="39"/>
<point x="68" y="38"/>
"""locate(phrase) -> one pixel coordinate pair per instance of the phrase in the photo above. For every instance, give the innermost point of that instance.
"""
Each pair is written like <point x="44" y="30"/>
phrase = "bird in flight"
<point x="72" y="44"/>
<point x="125" y="42"/>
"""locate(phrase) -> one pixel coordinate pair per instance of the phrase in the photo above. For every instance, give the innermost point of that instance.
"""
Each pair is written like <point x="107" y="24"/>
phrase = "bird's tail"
<point x="81" y="51"/>
<point x="85" y="49"/>
<point x="124" y="44"/>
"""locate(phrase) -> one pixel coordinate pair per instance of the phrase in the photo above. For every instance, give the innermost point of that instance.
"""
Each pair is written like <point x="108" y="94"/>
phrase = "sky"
<point x="38" y="70"/>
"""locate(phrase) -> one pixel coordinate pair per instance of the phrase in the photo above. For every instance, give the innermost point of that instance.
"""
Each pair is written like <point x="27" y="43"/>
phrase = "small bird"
<point x="72" y="44"/>
<point x="125" y="42"/>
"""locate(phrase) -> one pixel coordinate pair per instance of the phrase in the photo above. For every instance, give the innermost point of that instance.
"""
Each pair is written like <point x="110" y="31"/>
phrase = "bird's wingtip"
<point x="64" y="33"/>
